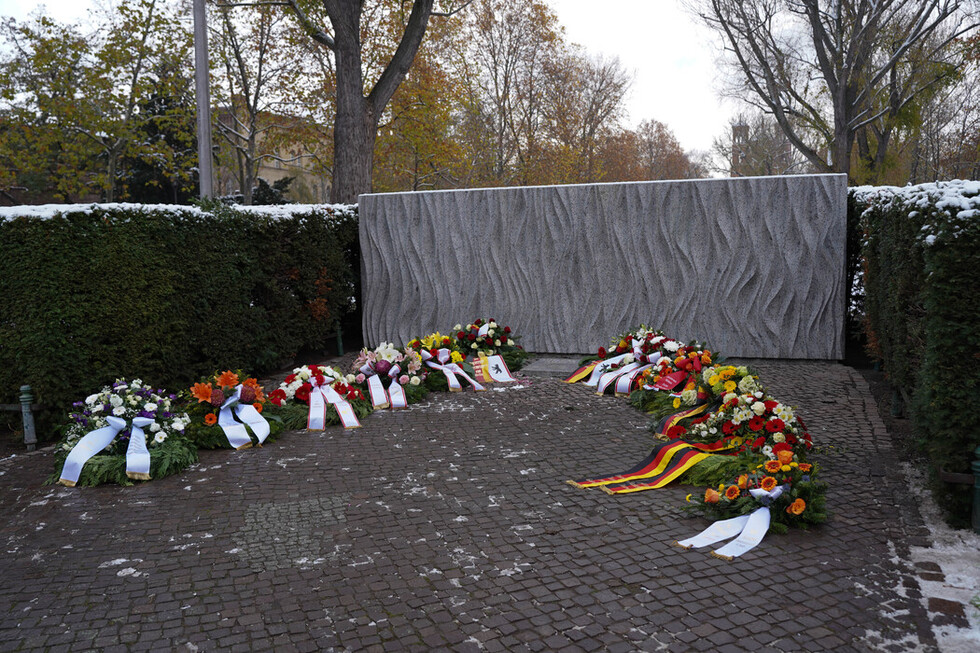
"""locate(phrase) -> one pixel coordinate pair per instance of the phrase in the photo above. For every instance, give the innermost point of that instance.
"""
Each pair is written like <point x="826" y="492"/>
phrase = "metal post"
<point x="26" y="399"/>
<point x="976" y="491"/>
<point x="203" y="93"/>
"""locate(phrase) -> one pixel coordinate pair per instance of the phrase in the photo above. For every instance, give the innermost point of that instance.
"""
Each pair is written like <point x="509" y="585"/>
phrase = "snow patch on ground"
<point x="957" y="552"/>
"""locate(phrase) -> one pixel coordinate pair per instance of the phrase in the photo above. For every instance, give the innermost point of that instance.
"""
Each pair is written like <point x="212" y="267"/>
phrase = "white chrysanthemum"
<point x="671" y="345"/>
<point x="688" y="397"/>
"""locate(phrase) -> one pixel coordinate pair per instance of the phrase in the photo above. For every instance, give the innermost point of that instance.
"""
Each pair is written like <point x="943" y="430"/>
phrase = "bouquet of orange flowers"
<point x="227" y="403"/>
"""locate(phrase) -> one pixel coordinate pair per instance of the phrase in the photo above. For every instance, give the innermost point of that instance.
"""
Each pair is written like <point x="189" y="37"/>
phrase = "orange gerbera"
<point x="257" y="406"/>
<point x="772" y="466"/>
<point x="228" y="379"/>
<point x="732" y="492"/>
<point x="201" y="392"/>
<point x="768" y="483"/>
<point x="210" y="419"/>
<point x="797" y="507"/>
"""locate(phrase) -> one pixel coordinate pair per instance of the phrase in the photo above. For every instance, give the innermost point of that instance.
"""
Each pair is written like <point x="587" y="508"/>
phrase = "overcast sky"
<point x="670" y="55"/>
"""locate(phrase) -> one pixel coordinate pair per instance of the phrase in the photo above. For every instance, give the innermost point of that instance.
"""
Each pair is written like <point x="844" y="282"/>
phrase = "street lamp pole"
<point x="203" y="94"/>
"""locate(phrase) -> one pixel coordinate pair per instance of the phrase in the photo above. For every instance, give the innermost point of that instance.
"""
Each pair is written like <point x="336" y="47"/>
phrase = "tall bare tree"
<point x="358" y="115"/>
<point x="827" y="69"/>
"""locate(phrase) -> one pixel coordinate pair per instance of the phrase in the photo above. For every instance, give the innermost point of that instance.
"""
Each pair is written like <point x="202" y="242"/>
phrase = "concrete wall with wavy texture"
<point x="754" y="267"/>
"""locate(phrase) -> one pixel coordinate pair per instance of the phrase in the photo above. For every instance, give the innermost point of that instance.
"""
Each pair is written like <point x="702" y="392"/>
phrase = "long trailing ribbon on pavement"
<point x="443" y="361"/>
<point x="394" y="396"/>
<point x="137" y="455"/>
<point x="750" y="528"/>
<point x="665" y="463"/>
<point x="236" y="433"/>
<point x="320" y="396"/>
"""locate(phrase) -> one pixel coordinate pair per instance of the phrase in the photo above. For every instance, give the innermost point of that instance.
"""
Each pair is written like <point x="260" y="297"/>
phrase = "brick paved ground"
<point x="449" y="526"/>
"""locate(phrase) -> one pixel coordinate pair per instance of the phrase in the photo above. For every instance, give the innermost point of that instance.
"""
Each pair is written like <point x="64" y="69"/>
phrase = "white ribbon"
<point x="609" y="377"/>
<point x="381" y="398"/>
<point x="602" y="367"/>
<point x="137" y="455"/>
<point x="750" y="529"/>
<point x="450" y="369"/>
<point x="237" y="436"/>
<point x="320" y="396"/>
<point x="625" y="382"/>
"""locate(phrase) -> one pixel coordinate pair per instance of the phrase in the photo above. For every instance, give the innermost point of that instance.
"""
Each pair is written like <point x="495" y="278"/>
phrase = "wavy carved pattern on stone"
<point x="754" y="267"/>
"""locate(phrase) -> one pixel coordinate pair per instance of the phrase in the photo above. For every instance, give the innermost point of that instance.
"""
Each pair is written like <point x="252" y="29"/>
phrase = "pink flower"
<point x="359" y="378"/>
<point x="403" y="379"/>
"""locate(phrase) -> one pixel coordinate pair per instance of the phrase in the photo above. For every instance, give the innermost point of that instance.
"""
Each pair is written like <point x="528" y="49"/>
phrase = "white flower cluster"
<point x="126" y="400"/>
<point x="303" y="375"/>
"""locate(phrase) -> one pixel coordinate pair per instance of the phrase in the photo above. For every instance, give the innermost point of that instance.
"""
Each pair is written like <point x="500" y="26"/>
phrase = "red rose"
<point x="460" y="335"/>
<point x="489" y="341"/>
<point x="445" y="342"/>
<point x="506" y="329"/>
<point x="478" y="323"/>
<point x="472" y="337"/>
<point x="503" y="340"/>
<point x="602" y="352"/>
<point x="303" y="393"/>
<point x="775" y="425"/>
<point x="756" y="423"/>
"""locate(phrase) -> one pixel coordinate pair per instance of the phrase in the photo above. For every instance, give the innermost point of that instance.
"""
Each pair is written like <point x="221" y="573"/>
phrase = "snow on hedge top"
<point x="277" y="212"/>
<point x="957" y="201"/>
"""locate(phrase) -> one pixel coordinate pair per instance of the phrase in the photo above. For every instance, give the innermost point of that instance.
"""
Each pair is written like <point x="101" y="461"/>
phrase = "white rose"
<point x="458" y="327"/>
<point x="496" y="342"/>
<point x="779" y="437"/>
<point x="415" y="380"/>
<point x="474" y="346"/>
<point x="349" y="378"/>
<point x="758" y="408"/>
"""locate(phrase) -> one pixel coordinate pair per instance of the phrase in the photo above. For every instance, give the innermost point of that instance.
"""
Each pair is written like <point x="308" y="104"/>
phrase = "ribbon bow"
<point x="137" y="455"/>
<point x="320" y="396"/>
<point x="442" y="360"/>
<point x="750" y="528"/>
<point x="394" y="396"/>
<point x="237" y="436"/>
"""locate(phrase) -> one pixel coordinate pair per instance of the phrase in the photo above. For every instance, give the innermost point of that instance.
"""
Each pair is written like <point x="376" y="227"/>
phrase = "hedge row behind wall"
<point x="89" y="293"/>
<point x="921" y="252"/>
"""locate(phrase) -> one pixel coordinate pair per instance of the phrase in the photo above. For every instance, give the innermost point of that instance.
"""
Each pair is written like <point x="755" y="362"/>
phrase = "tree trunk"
<point x="355" y="130"/>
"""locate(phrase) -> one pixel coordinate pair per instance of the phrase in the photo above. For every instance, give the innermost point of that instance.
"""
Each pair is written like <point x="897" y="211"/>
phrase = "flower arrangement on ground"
<point x="433" y="348"/>
<point x="133" y="431"/>
<point x="673" y="382"/>
<point x="293" y="397"/>
<point x="801" y="503"/>
<point x="230" y="410"/>
<point x="489" y="338"/>
<point x="400" y="375"/>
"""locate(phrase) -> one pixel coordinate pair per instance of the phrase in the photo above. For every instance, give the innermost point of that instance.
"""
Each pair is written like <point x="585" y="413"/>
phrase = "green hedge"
<point x="921" y="252"/>
<point x="165" y="293"/>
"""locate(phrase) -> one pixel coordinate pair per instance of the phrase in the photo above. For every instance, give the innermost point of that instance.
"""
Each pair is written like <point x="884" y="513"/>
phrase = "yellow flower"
<point x="457" y="357"/>
<point x="785" y="468"/>
<point x="730" y="386"/>
<point x="688" y="498"/>
<point x="713" y="380"/>
<point x="677" y="402"/>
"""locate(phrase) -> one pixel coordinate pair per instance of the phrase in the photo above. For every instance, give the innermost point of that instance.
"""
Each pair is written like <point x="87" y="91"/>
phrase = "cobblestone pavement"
<point x="449" y="526"/>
